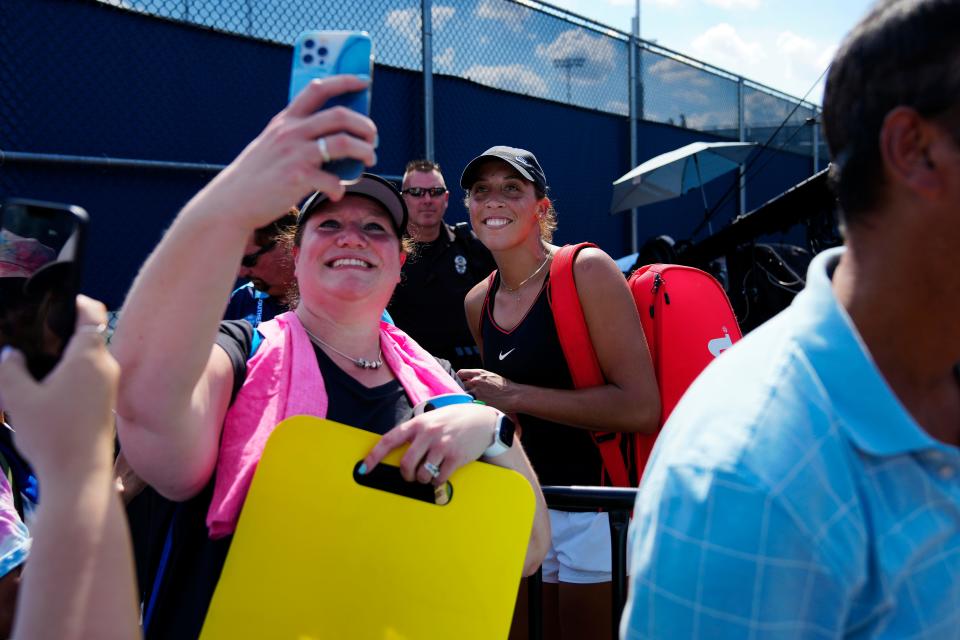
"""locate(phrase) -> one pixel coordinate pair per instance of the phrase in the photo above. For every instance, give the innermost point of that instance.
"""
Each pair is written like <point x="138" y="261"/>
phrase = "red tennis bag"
<point x="687" y="320"/>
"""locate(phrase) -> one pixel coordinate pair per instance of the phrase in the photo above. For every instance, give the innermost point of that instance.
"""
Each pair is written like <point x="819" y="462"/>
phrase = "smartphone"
<point x="41" y="246"/>
<point x="320" y="54"/>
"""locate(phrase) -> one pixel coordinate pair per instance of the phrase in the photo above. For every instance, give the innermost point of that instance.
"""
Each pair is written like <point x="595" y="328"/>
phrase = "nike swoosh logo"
<point x="504" y="355"/>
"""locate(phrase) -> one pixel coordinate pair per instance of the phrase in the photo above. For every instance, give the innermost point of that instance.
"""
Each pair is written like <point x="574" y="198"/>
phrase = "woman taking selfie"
<point x="526" y="374"/>
<point x="195" y="408"/>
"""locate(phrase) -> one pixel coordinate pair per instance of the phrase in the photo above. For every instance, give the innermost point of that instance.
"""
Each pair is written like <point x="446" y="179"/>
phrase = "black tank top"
<point x="530" y="353"/>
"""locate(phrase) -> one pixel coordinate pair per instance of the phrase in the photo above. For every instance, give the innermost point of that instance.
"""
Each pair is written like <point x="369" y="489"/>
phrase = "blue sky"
<point x="785" y="44"/>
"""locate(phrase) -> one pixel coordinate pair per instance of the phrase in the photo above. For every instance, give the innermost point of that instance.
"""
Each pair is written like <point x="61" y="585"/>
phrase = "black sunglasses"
<point x="419" y="192"/>
<point x="250" y="260"/>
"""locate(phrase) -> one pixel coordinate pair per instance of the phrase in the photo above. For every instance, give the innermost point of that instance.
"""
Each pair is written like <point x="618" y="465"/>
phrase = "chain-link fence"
<point x="524" y="47"/>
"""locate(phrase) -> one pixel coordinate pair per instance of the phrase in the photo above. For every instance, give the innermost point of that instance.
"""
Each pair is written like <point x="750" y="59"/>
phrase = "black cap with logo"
<point x="370" y="186"/>
<point x="520" y="159"/>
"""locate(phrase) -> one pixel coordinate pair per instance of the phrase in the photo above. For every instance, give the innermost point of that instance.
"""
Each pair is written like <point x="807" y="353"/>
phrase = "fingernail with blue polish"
<point x="5" y="353"/>
<point x="376" y="140"/>
<point x="363" y="469"/>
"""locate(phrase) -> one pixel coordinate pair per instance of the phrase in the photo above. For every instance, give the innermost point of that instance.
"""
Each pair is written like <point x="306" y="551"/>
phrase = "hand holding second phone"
<point x="491" y="388"/>
<point x="449" y="438"/>
<point x="282" y="164"/>
<point x="64" y="424"/>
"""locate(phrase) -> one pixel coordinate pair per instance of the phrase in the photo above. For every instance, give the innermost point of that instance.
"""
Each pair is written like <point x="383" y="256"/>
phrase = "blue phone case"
<point x="320" y="54"/>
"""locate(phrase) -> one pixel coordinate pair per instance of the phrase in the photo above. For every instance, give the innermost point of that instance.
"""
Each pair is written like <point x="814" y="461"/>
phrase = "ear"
<point x="908" y="144"/>
<point x="543" y="206"/>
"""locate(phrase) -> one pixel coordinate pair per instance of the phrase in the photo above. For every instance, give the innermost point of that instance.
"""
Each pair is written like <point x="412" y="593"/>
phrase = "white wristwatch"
<point x="502" y="437"/>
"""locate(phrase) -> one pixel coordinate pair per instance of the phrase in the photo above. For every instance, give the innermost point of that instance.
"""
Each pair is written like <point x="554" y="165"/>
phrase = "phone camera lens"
<point x="308" y="59"/>
<point x="322" y="51"/>
<point x="308" y="44"/>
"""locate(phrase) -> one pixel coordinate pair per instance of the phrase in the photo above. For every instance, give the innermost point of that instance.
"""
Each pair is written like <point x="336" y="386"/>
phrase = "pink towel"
<point x="267" y="397"/>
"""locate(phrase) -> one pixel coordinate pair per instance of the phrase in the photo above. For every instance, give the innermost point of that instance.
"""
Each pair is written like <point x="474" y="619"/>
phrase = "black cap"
<point x="370" y="186"/>
<point x="520" y="159"/>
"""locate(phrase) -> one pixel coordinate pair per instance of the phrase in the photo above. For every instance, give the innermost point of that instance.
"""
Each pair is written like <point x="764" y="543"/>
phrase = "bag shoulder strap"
<point x="578" y="351"/>
<point x="568" y="316"/>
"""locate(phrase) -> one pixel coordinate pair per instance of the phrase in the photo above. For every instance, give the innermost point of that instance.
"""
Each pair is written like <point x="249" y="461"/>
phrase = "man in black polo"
<point x="449" y="260"/>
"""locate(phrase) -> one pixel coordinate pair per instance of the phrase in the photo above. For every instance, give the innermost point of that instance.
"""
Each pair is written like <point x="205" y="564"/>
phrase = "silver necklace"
<point x="360" y="362"/>
<point x="516" y="290"/>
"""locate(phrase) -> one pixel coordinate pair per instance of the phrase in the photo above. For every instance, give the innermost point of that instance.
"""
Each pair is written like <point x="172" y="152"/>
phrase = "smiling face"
<point x="348" y="251"/>
<point x="503" y="206"/>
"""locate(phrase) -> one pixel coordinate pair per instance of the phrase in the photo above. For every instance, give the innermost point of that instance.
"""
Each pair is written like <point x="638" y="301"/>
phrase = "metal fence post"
<point x="742" y="126"/>
<point x="816" y="140"/>
<point x="619" y="526"/>
<point x="427" y="43"/>
<point x="634" y="44"/>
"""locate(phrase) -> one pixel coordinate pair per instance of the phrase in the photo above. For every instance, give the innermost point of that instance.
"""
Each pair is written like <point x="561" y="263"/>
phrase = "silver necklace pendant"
<point x="368" y="364"/>
<point x="362" y="363"/>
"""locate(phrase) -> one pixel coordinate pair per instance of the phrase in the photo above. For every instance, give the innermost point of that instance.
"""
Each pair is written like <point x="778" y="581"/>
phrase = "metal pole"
<point x="568" y="64"/>
<point x="703" y="194"/>
<point x="427" y="39"/>
<point x="103" y="161"/>
<point x="741" y="125"/>
<point x="635" y="84"/>
<point x="816" y="141"/>
<point x="619" y="525"/>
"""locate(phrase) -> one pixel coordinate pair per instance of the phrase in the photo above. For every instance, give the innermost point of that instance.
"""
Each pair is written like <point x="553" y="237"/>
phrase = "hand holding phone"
<point x="321" y="54"/>
<point x="40" y="250"/>
<point x="64" y="425"/>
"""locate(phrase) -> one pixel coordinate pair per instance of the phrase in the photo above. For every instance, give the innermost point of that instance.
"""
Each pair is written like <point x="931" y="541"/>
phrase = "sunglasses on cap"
<point x="250" y="260"/>
<point x="419" y="192"/>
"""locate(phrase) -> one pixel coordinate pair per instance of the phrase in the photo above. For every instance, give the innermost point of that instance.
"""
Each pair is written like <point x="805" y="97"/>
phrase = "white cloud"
<point x="734" y="5"/>
<point x="512" y="77"/>
<point x="803" y="60"/>
<point x="617" y="106"/>
<point x="711" y="121"/>
<point x="672" y="72"/>
<point x="723" y="46"/>
<point x="796" y="46"/>
<point x="441" y="15"/>
<point x="764" y="110"/>
<point x="443" y="61"/>
<point x="511" y="15"/>
<point x="407" y="23"/>
<point x="631" y="3"/>
<point x="597" y="54"/>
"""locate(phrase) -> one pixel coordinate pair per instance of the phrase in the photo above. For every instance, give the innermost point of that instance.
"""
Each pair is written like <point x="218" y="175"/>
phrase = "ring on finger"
<point x="432" y="469"/>
<point x="324" y="151"/>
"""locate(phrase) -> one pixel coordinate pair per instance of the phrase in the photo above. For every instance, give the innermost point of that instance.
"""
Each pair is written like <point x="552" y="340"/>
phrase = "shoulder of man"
<point x="248" y="290"/>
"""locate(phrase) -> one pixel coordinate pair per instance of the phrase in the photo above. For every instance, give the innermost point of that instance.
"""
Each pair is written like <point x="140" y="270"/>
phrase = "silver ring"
<point x="324" y="152"/>
<point x="432" y="469"/>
